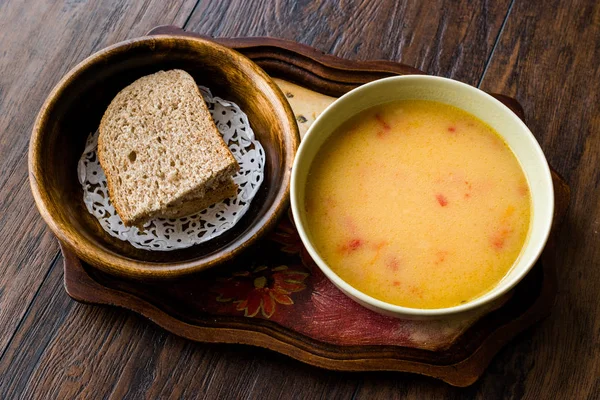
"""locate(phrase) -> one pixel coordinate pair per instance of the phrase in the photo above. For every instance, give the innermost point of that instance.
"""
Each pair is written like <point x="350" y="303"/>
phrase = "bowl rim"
<point x="392" y="309"/>
<point x="116" y="263"/>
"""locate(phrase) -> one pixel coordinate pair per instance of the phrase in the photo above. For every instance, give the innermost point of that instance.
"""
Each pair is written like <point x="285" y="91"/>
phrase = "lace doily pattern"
<point x="171" y="234"/>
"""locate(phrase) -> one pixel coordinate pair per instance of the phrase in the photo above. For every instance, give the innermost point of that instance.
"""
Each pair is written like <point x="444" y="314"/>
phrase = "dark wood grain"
<point x="447" y="38"/>
<point x="547" y="57"/>
<point x="68" y="350"/>
<point x="313" y="69"/>
<point x="40" y="42"/>
<point x="178" y="307"/>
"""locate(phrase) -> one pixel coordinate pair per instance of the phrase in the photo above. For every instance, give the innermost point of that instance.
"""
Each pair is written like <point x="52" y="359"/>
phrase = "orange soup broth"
<point x="418" y="204"/>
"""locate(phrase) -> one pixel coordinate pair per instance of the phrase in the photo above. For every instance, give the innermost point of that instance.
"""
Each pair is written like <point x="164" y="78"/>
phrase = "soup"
<point x="418" y="204"/>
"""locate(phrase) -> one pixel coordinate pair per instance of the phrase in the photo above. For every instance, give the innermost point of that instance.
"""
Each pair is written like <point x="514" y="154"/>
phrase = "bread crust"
<point x="139" y="118"/>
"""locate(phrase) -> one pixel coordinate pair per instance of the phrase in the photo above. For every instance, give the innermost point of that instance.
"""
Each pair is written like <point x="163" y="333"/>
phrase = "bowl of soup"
<point x="421" y="196"/>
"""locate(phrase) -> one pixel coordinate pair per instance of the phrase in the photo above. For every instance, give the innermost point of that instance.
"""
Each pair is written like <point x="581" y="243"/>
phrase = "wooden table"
<point x="546" y="54"/>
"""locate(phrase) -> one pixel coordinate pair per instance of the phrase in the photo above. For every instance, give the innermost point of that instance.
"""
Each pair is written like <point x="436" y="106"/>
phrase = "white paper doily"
<point x="170" y="234"/>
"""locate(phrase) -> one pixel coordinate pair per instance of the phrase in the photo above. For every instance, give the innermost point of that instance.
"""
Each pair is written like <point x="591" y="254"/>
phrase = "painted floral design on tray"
<point x="261" y="289"/>
<point x="277" y="281"/>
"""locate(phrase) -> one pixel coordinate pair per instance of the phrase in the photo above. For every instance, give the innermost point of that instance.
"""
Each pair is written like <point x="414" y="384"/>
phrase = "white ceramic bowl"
<point x="476" y="102"/>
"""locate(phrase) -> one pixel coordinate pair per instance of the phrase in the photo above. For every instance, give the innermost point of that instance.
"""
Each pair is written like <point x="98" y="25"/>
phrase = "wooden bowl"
<point x="74" y="109"/>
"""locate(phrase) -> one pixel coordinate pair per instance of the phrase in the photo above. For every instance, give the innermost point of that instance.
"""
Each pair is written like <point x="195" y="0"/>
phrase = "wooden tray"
<point x="273" y="296"/>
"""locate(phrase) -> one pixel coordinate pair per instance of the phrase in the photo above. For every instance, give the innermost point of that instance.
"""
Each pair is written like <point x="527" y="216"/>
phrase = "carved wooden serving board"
<point x="273" y="296"/>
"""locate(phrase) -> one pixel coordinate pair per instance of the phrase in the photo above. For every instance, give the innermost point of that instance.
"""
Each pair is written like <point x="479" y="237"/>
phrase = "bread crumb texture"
<point x="159" y="146"/>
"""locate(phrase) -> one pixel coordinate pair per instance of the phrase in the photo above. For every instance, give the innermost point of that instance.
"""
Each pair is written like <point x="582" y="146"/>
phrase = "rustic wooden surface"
<point x="175" y="306"/>
<point x="546" y="54"/>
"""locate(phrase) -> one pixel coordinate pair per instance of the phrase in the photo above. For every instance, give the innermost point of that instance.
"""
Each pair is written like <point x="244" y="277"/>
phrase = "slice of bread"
<point x="158" y="145"/>
<point x="191" y="205"/>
